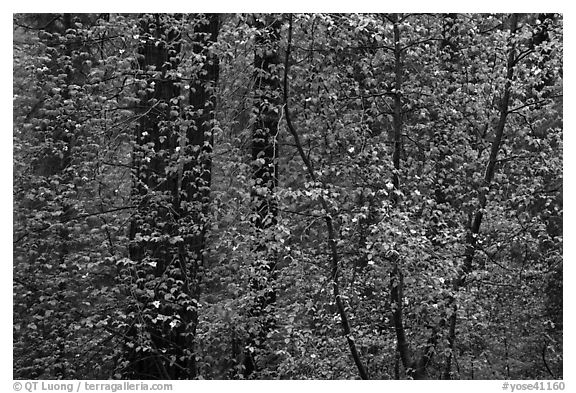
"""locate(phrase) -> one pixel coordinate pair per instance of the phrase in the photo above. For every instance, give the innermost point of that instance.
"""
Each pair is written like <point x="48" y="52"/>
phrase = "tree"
<point x="265" y="178"/>
<point x="172" y="194"/>
<point x="327" y="215"/>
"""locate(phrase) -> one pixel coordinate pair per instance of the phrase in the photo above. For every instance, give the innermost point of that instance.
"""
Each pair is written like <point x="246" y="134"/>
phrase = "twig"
<point x="328" y="220"/>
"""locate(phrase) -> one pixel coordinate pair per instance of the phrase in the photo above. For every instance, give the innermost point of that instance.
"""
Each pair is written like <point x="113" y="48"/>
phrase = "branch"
<point x="347" y="48"/>
<point x="300" y="213"/>
<point x="534" y="103"/>
<point x="472" y="236"/>
<point x="328" y="219"/>
<point x="419" y="42"/>
<point x="34" y="109"/>
<point x="545" y="362"/>
<point x="523" y="55"/>
<point x="496" y="143"/>
<point x="37" y="28"/>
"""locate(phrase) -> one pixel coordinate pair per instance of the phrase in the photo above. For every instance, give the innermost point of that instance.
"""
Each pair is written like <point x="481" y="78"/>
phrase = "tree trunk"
<point x="472" y="237"/>
<point x="415" y="367"/>
<point x="197" y="172"/>
<point x="332" y="243"/>
<point x="167" y="235"/>
<point x="264" y="160"/>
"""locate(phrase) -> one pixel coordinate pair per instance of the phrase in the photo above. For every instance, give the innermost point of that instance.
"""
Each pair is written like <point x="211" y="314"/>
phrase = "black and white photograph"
<point x="287" y="196"/>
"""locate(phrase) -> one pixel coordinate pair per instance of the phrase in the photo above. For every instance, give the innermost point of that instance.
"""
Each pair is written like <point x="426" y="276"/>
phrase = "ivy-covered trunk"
<point x="196" y="176"/>
<point x="172" y="186"/>
<point x="266" y="112"/>
<point x="156" y="349"/>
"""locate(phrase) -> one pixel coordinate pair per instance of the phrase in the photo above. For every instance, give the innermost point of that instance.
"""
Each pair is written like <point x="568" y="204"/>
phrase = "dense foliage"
<point x="325" y="196"/>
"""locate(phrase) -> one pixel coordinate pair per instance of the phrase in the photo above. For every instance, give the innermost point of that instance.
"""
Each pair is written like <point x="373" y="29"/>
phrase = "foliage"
<point x="288" y="196"/>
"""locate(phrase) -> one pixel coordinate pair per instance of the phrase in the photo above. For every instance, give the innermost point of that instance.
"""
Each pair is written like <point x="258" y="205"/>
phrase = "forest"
<point x="287" y="196"/>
